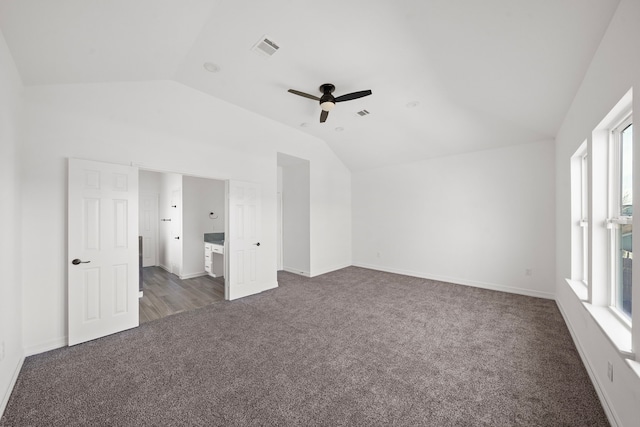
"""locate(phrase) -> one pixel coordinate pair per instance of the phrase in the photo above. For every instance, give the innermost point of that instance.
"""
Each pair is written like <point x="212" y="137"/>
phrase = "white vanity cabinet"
<point x="214" y="259"/>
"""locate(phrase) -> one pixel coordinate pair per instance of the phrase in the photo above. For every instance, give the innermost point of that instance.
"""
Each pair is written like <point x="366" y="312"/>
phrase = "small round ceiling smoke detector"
<point x="211" y="67"/>
<point x="413" y="104"/>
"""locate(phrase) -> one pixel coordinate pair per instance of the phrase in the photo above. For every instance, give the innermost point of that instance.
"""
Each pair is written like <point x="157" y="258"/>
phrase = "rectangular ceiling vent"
<point x="265" y="47"/>
<point x="363" y="113"/>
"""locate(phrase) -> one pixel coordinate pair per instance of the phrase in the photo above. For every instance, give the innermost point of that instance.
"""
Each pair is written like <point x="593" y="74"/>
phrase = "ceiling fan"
<point x="328" y="101"/>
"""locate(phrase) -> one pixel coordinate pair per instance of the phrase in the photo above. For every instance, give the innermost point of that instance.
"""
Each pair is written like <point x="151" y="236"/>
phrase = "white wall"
<point x="148" y="182"/>
<point x="330" y="216"/>
<point x="482" y="219"/>
<point x="296" y="217"/>
<point x="11" y="354"/>
<point x="167" y="127"/>
<point x="199" y="197"/>
<point x="614" y="70"/>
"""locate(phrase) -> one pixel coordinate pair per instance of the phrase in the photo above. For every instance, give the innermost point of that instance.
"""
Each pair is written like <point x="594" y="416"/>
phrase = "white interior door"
<point x="176" y="232"/>
<point x="148" y="226"/>
<point x="102" y="250"/>
<point x="243" y="251"/>
<point x="280" y="257"/>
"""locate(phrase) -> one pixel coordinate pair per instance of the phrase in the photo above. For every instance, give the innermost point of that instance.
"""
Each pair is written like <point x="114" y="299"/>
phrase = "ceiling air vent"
<point x="363" y="113"/>
<point x="265" y="47"/>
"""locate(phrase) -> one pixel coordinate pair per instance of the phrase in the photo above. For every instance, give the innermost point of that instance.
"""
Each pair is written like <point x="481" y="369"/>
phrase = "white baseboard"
<point x="46" y="346"/>
<point x="12" y="383"/>
<point x="315" y="272"/>
<point x="329" y="270"/>
<point x="192" y="275"/>
<point x="296" y="271"/>
<point x="611" y="416"/>
<point x="456" y="281"/>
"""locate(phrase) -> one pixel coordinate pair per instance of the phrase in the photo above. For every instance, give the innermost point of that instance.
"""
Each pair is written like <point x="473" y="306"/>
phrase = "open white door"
<point x="148" y="226"/>
<point x="176" y="232"/>
<point x="243" y="250"/>
<point x="103" y="249"/>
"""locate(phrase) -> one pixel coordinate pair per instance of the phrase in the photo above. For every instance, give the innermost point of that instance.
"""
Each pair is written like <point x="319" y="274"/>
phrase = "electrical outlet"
<point x="610" y="371"/>
<point x="528" y="272"/>
<point x="378" y="254"/>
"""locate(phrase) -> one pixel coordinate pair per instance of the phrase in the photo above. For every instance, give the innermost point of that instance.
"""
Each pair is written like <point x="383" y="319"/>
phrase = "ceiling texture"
<point x="448" y="76"/>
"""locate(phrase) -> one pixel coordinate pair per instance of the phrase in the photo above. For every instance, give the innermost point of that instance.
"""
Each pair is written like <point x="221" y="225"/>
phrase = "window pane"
<point x="626" y="171"/>
<point x="625" y="260"/>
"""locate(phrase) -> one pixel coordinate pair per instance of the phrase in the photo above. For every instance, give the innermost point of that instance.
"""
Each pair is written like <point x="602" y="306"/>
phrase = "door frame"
<point x="226" y="219"/>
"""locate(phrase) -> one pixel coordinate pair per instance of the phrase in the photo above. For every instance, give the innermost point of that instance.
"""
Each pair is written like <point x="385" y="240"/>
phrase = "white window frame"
<point x="615" y="218"/>
<point x="579" y="170"/>
<point x="594" y="294"/>
<point x="584" y="214"/>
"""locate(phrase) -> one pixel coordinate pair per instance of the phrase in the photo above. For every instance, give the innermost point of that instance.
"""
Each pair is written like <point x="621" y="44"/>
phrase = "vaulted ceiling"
<point x="448" y="76"/>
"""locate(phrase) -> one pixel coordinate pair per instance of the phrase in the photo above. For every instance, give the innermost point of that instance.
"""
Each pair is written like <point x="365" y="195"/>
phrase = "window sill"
<point x="635" y="366"/>
<point x="612" y="327"/>
<point x="580" y="289"/>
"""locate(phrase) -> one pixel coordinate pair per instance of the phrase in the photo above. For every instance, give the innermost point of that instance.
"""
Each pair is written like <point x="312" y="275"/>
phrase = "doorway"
<point x="188" y="209"/>
<point x="294" y="215"/>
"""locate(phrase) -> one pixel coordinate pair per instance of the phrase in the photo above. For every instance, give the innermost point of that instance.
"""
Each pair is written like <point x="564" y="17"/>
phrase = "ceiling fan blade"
<point x="323" y="116"/>
<point x="306" y="95"/>
<point x="354" y="95"/>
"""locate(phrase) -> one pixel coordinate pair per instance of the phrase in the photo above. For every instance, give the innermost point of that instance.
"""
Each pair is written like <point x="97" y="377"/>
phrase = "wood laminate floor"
<point x="165" y="294"/>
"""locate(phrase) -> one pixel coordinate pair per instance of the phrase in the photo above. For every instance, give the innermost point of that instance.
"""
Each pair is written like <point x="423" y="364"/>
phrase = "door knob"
<point x="177" y="237"/>
<point x="257" y="244"/>
<point x="77" y="261"/>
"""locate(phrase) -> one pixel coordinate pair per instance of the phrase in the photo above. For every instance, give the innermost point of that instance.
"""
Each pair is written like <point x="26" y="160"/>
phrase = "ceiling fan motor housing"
<point x="327" y="101"/>
<point x="327" y="88"/>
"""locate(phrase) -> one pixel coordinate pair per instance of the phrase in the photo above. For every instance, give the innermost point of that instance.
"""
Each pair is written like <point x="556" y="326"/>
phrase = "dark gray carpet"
<point x="354" y="347"/>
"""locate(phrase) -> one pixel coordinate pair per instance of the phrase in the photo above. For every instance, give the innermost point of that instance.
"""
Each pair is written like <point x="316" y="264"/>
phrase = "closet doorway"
<point x="294" y="215"/>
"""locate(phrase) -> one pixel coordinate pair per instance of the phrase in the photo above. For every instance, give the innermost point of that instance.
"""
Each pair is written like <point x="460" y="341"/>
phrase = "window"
<point x="580" y="215"/>
<point x="621" y="217"/>
<point x="584" y="214"/>
<point x="601" y="175"/>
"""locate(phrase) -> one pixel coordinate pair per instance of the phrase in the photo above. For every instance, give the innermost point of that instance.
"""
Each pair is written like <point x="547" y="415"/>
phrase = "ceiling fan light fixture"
<point x="327" y="105"/>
